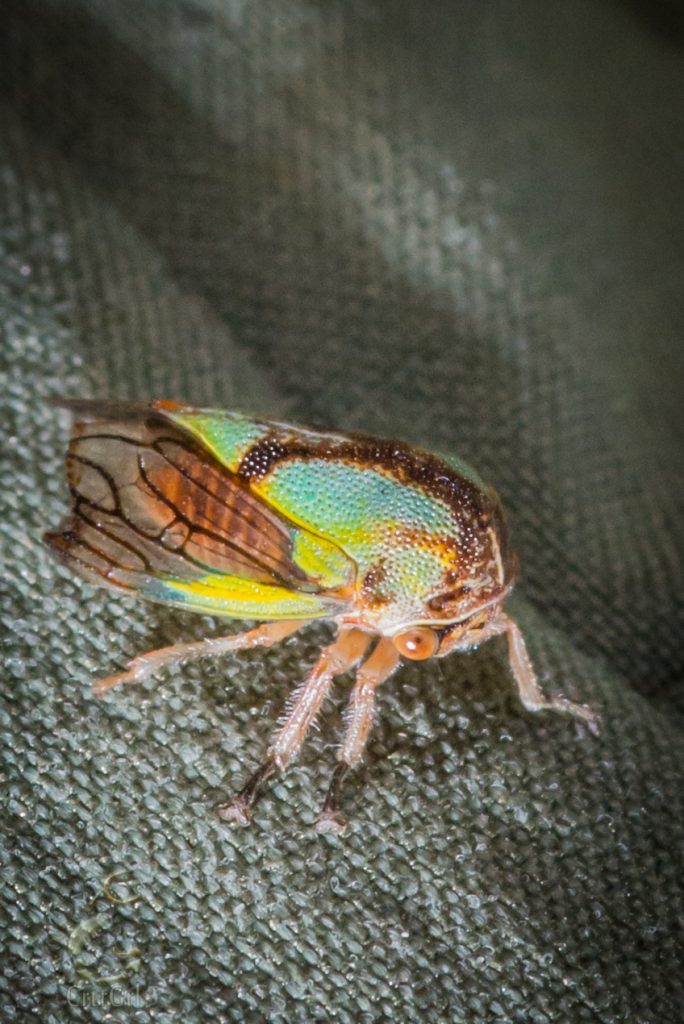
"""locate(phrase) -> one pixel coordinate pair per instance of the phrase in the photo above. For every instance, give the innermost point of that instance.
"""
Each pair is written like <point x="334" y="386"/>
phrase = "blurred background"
<point x="456" y="223"/>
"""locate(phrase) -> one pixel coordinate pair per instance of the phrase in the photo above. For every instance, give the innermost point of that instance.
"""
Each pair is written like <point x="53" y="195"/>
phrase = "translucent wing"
<point x="154" y="511"/>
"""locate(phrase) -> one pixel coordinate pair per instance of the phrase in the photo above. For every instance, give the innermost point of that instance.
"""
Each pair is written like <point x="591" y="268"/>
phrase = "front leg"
<point x="340" y="656"/>
<point x="379" y="666"/>
<point x="531" y="695"/>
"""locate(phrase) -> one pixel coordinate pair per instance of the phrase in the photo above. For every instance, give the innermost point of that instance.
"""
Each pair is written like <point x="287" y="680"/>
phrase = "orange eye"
<point x="418" y="644"/>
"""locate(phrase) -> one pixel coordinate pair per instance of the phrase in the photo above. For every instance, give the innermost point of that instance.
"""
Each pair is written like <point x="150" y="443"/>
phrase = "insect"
<point x="405" y="551"/>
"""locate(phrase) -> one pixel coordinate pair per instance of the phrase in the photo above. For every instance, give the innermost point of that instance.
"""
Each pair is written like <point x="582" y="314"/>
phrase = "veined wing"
<point x="154" y="511"/>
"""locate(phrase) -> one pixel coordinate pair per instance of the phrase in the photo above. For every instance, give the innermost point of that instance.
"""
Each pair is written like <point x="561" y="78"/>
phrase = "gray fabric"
<point x="459" y="224"/>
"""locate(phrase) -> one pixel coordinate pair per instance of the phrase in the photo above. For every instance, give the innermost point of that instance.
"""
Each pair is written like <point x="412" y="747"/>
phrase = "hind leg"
<point x="145" y="665"/>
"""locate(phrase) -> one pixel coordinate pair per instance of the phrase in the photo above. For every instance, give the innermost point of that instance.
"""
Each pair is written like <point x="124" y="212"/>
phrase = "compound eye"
<point x="418" y="644"/>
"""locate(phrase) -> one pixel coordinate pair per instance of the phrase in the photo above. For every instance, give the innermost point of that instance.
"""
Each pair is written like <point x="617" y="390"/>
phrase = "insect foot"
<point x="331" y="819"/>
<point x="238" y="812"/>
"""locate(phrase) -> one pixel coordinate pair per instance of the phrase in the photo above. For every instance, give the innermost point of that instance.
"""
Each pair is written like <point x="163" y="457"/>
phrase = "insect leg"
<point x="529" y="690"/>
<point x="381" y="663"/>
<point x="350" y="645"/>
<point x="144" y="665"/>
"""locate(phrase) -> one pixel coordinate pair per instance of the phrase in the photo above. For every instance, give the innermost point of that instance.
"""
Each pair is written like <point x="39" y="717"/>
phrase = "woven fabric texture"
<point x="460" y="224"/>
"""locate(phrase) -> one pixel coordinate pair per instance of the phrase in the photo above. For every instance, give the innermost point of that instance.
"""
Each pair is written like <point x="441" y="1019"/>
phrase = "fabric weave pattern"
<point x="456" y="224"/>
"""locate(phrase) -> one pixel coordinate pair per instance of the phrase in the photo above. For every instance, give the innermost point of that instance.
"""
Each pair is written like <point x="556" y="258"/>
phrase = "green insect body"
<point x="229" y="515"/>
